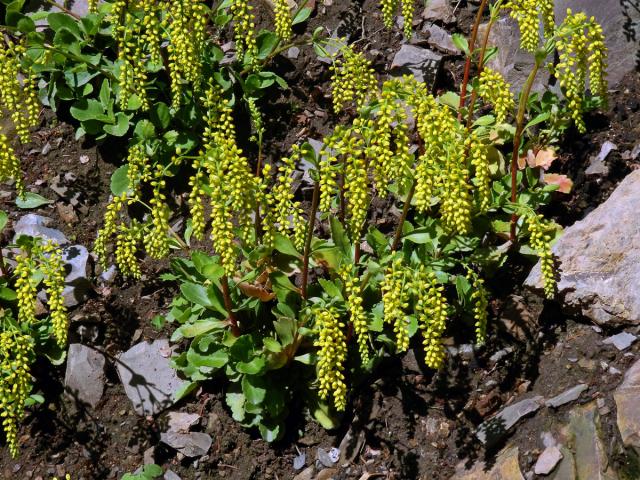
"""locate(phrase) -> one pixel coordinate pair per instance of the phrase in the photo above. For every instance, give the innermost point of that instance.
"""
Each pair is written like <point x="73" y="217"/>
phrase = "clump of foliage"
<point x="289" y="315"/>
<point x="23" y="334"/>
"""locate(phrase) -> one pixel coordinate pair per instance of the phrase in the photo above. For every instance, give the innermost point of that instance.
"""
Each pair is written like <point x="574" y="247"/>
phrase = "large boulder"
<point x="599" y="260"/>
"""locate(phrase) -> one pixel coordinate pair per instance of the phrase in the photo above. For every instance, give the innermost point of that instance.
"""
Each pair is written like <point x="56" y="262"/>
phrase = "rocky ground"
<point x="555" y="392"/>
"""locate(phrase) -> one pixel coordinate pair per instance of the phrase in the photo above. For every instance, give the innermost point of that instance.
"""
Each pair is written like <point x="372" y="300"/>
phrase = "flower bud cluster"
<point x="358" y="316"/>
<point x="495" y="90"/>
<point x="10" y="164"/>
<point x="332" y="354"/>
<point x="244" y="27"/>
<point x="283" y="20"/>
<point x="54" y="273"/>
<point x="527" y="13"/>
<point x="540" y="241"/>
<point x="395" y="300"/>
<point x="431" y="310"/>
<point x="352" y="80"/>
<point x="16" y="357"/>
<point x="482" y="178"/>
<point x="480" y="300"/>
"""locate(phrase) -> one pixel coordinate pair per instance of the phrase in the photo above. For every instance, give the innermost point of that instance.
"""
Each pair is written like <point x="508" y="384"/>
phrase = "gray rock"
<point x="588" y="444"/>
<point x="596" y="162"/>
<point x="171" y="475"/>
<point x="620" y="20"/>
<point x="181" y="422"/>
<point x="108" y="276"/>
<point x="194" y="444"/>
<point x="293" y="53"/>
<point x="148" y="379"/>
<point x="440" y="39"/>
<point x="505" y="467"/>
<point x="306" y="474"/>
<point x="325" y="458"/>
<point x="36" y="226"/>
<point x="421" y="62"/>
<point x="632" y="154"/>
<point x="492" y="430"/>
<point x="440" y="11"/>
<point x="621" y="341"/>
<point x="547" y="461"/>
<point x="299" y="461"/>
<point x="600" y="260"/>
<point x="350" y="446"/>
<point x="627" y="398"/>
<point x="570" y="395"/>
<point x="84" y="379"/>
<point x="78" y="286"/>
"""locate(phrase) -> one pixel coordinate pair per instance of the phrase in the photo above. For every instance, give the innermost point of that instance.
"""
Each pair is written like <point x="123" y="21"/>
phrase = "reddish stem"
<point x="307" y="244"/>
<point x="467" y="65"/>
<point x="229" y="306"/>
<point x="474" y="93"/>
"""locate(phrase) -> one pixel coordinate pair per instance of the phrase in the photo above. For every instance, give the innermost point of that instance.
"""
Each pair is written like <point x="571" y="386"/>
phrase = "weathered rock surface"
<point x="37" y="226"/>
<point x="492" y="430"/>
<point x="194" y="444"/>
<point x="590" y="452"/>
<point x="547" y="461"/>
<point x="148" y="379"/>
<point x="421" y="62"/>
<point x="78" y="286"/>
<point x="439" y="11"/>
<point x="567" y="396"/>
<point x="621" y="341"/>
<point x="627" y="397"/>
<point x="599" y="259"/>
<point x="506" y="467"/>
<point x="84" y="379"/>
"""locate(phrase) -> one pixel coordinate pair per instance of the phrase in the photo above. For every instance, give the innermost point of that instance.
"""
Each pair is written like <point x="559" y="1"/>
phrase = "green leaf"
<point x="254" y="389"/>
<point x="254" y="367"/>
<point x="267" y="42"/>
<point x="340" y="238"/>
<point x="185" y="390"/>
<point x="243" y="348"/>
<point x="538" y="119"/>
<point x="215" y="359"/>
<point x="31" y="200"/>
<point x="302" y="15"/>
<point x="323" y="416"/>
<point x="4" y="218"/>
<point x="269" y="433"/>
<point x="284" y="245"/>
<point x="203" y="296"/>
<point x="331" y="288"/>
<point x="144" y="130"/>
<point x="8" y="294"/>
<point x="59" y="21"/>
<point x="450" y="99"/>
<point x="120" y="180"/>
<point x="152" y="470"/>
<point x="236" y="402"/>
<point x="461" y="43"/>
<point x="120" y="128"/>
<point x="272" y="345"/>
<point x="91" y="109"/>
<point x="160" y="115"/>
<point x="200" y="327"/>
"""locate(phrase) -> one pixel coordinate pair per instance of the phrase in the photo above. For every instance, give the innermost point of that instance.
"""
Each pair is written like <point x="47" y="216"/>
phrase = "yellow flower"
<point x="54" y="273"/>
<point x="10" y="164"/>
<point x="395" y="299"/>
<point x="495" y="90"/>
<point x="283" y="19"/>
<point x="356" y="311"/>
<point x="540" y="241"/>
<point x="431" y="309"/>
<point x="332" y="354"/>
<point x="352" y="80"/>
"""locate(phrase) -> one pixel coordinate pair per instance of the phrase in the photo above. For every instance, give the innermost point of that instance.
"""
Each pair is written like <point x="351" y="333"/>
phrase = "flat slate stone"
<point x="570" y="395"/>
<point x="148" y="379"/>
<point x="492" y="430"/>
<point x="84" y="379"/>
<point x="194" y="444"/>
<point x="621" y="341"/>
<point x="627" y="397"/>
<point x="547" y="461"/>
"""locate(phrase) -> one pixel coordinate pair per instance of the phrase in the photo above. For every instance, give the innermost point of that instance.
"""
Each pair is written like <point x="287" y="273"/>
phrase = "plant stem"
<point x="229" y="306"/>
<point x="467" y="65"/>
<point x="403" y="217"/>
<point x="258" y="220"/>
<point x="63" y="9"/>
<point x="517" y="139"/>
<point x="483" y="51"/>
<point x="307" y="244"/>
<point x="3" y="266"/>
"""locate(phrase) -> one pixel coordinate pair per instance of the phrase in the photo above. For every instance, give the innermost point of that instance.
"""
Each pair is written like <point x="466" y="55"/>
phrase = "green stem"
<point x="228" y="305"/>
<point x="79" y="59"/>
<point x="307" y="244"/>
<point x="517" y="139"/>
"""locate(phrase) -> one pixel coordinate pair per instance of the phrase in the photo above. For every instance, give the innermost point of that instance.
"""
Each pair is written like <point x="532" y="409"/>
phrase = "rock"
<point x="440" y="11"/>
<point x="421" y="62"/>
<point x="328" y="459"/>
<point x="621" y="341"/>
<point x="194" y="444"/>
<point x="36" y="226"/>
<point x="84" y="379"/>
<point x="148" y="379"/>
<point x="596" y="162"/>
<point x="299" y="461"/>
<point x="627" y="398"/>
<point x="620" y="20"/>
<point x="590" y="453"/>
<point x="66" y="213"/>
<point x="518" y="319"/>
<point x="506" y="467"/>
<point x="181" y="422"/>
<point x="78" y="286"/>
<point x="511" y="61"/>
<point x="567" y="396"/>
<point x="293" y="53"/>
<point x="327" y="474"/>
<point x="350" y="446"/>
<point x="108" y="276"/>
<point x="171" y="475"/>
<point x="567" y="468"/>
<point x="600" y="261"/>
<point x="547" y="461"/>
<point x="632" y="154"/>
<point x="492" y="430"/>
<point x="440" y="39"/>
<point x="306" y="474"/>
<point x="148" y="457"/>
